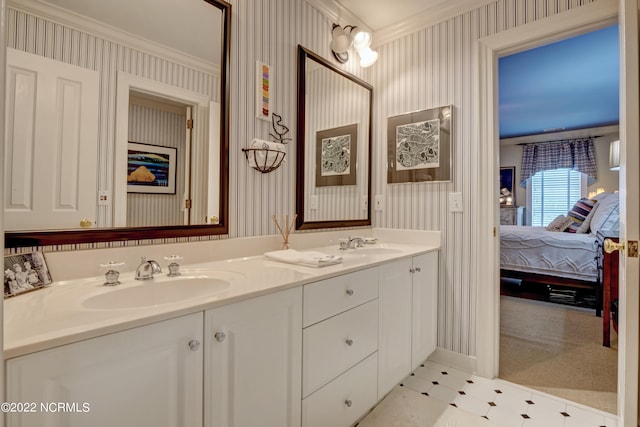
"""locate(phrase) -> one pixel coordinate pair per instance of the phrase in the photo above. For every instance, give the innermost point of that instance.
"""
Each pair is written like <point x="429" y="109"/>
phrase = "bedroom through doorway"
<point x="551" y="335"/>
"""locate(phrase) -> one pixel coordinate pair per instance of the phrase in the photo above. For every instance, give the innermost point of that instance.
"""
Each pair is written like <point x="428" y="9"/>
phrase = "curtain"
<point x="577" y="154"/>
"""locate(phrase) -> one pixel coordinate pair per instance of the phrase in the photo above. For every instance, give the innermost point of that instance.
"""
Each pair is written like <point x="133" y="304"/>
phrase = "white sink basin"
<point x="153" y="293"/>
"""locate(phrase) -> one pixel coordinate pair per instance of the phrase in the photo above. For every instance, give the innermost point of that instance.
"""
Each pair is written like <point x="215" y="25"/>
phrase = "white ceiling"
<point x="378" y="14"/>
<point x="391" y="19"/>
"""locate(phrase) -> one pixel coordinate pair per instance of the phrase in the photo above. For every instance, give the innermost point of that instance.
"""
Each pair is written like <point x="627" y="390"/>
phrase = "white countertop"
<point x="59" y="315"/>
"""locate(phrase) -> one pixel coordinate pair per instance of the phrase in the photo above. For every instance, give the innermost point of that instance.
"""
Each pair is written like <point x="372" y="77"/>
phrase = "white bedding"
<point x="536" y="250"/>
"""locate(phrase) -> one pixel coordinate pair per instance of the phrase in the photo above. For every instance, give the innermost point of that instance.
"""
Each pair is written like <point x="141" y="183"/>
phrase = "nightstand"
<point x="511" y="215"/>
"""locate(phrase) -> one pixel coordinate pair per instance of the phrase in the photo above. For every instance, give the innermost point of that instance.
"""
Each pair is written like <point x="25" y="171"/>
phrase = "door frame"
<point x="125" y="84"/>
<point x="487" y="293"/>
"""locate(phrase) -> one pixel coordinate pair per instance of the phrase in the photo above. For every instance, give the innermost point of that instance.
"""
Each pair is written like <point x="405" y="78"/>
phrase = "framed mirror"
<point x="133" y="142"/>
<point x="333" y="145"/>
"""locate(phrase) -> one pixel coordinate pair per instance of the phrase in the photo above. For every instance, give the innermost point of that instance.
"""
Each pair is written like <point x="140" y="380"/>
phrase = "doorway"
<point x="555" y="28"/>
<point x="556" y="346"/>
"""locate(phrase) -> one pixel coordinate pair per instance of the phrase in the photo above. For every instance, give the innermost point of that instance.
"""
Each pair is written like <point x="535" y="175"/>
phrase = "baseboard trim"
<point x="455" y="360"/>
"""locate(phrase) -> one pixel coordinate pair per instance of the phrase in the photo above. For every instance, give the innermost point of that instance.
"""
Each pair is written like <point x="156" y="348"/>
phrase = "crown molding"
<point x="423" y="20"/>
<point x="338" y="13"/>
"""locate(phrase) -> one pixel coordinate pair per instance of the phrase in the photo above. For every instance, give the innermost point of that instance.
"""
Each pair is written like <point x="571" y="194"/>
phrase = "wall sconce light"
<point x="614" y="155"/>
<point x="343" y="38"/>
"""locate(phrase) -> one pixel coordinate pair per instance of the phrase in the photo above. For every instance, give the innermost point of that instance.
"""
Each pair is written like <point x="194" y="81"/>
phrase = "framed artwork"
<point x="507" y="180"/>
<point x="24" y="273"/>
<point x="264" y="91"/>
<point x="336" y="154"/>
<point x="151" y="169"/>
<point x="419" y="146"/>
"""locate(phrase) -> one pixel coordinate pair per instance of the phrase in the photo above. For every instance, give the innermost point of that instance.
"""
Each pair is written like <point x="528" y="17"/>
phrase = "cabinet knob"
<point x="412" y="270"/>
<point x="350" y="292"/>
<point x="194" y="345"/>
<point x="349" y="342"/>
<point x="348" y="403"/>
<point x="418" y="269"/>
<point x="219" y="336"/>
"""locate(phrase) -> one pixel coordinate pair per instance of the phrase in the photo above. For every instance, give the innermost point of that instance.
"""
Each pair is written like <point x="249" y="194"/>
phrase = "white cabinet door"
<point x="51" y="143"/>
<point x="425" y="307"/>
<point x="253" y="362"/>
<point x="394" y="339"/>
<point x="146" y="376"/>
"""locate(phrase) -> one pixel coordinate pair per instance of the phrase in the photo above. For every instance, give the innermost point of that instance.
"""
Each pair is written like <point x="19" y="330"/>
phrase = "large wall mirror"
<point x="117" y="120"/>
<point x="333" y="146"/>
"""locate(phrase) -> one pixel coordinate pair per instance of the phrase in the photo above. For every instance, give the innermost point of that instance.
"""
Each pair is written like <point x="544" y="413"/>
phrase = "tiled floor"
<point x="502" y="402"/>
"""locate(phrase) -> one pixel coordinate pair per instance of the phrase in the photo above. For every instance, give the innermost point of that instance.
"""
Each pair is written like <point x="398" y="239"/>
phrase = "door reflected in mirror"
<point x="334" y="145"/>
<point x="83" y="80"/>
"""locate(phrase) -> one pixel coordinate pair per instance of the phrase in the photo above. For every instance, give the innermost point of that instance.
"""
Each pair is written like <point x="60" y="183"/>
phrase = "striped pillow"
<point x="580" y="214"/>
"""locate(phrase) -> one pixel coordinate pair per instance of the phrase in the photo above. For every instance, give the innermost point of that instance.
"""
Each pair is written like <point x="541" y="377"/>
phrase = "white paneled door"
<point x="51" y="143"/>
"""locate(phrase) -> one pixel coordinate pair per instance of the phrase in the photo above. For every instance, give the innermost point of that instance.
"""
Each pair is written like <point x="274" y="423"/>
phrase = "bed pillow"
<point x="607" y="214"/>
<point x="581" y="214"/>
<point x="560" y="223"/>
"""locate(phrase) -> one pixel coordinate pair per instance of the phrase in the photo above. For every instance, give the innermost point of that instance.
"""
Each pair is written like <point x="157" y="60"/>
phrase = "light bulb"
<point x="367" y="57"/>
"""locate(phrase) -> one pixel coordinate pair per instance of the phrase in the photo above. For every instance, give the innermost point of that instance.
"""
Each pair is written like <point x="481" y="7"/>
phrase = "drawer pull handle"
<point x="350" y="292"/>
<point x="418" y="269"/>
<point x="219" y="336"/>
<point x="348" y="403"/>
<point x="194" y="345"/>
<point x="349" y="342"/>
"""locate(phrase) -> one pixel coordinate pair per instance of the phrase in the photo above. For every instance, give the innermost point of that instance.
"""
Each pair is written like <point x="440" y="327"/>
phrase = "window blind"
<point x="553" y="193"/>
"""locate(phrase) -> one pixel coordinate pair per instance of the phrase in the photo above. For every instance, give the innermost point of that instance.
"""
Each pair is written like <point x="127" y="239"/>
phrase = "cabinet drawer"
<point x="329" y="297"/>
<point x="336" y="344"/>
<point x="345" y="399"/>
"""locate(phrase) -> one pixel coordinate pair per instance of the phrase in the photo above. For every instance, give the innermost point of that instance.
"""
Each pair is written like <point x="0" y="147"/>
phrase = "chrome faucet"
<point x="146" y="269"/>
<point x="351" y="243"/>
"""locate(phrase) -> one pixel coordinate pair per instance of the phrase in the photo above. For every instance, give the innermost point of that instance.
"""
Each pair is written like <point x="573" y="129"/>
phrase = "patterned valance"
<point x="577" y="154"/>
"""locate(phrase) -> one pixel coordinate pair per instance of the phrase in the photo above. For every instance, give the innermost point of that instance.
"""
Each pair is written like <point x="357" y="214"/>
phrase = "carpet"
<point x="557" y="350"/>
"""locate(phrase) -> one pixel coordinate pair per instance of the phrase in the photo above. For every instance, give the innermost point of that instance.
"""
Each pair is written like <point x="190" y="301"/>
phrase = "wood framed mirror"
<point x="157" y="77"/>
<point x="333" y="145"/>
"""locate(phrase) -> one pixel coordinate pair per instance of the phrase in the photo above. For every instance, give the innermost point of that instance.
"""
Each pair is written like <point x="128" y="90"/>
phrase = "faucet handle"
<point x="174" y="266"/>
<point x="112" y="274"/>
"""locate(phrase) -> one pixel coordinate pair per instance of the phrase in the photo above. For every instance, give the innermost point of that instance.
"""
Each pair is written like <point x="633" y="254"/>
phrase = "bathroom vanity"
<point x="272" y="344"/>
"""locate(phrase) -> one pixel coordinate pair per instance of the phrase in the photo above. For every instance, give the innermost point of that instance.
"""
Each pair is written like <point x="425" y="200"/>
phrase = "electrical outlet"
<point x="379" y="202"/>
<point x="313" y="202"/>
<point x="104" y="198"/>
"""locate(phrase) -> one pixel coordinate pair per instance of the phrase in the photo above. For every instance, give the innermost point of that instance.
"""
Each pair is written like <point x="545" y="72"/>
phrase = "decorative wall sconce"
<point x="343" y="38"/>
<point x="267" y="156"/>
<point x="614" y="155"/>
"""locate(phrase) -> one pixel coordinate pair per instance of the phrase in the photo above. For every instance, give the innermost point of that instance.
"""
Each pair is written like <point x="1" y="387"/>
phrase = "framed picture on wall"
<point x="24" y="273"/>
<point x="507" y="180"/>
<point x="151" y="169"/>
<point x="419" y="146"/>
<point x="336" y="154"/>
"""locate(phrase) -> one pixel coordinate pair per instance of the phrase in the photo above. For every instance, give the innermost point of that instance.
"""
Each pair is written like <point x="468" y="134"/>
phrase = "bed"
<point x="538" y="255"/>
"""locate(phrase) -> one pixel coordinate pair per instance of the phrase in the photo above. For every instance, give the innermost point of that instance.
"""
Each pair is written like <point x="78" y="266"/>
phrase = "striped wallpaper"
<point x="429" y="68"/>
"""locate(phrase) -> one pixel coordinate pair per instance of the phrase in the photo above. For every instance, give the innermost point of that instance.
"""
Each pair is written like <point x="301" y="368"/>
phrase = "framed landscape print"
<point x="419" y="146"/>
<point x="151" y="169"/>
<point x="336" y="154"/>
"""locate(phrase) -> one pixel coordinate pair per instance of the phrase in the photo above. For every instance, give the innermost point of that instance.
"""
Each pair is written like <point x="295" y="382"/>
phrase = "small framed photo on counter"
<point x="24" y="273"/>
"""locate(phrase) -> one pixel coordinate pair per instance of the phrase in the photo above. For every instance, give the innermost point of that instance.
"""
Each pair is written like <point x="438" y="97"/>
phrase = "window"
<point x="553" y="192"/>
